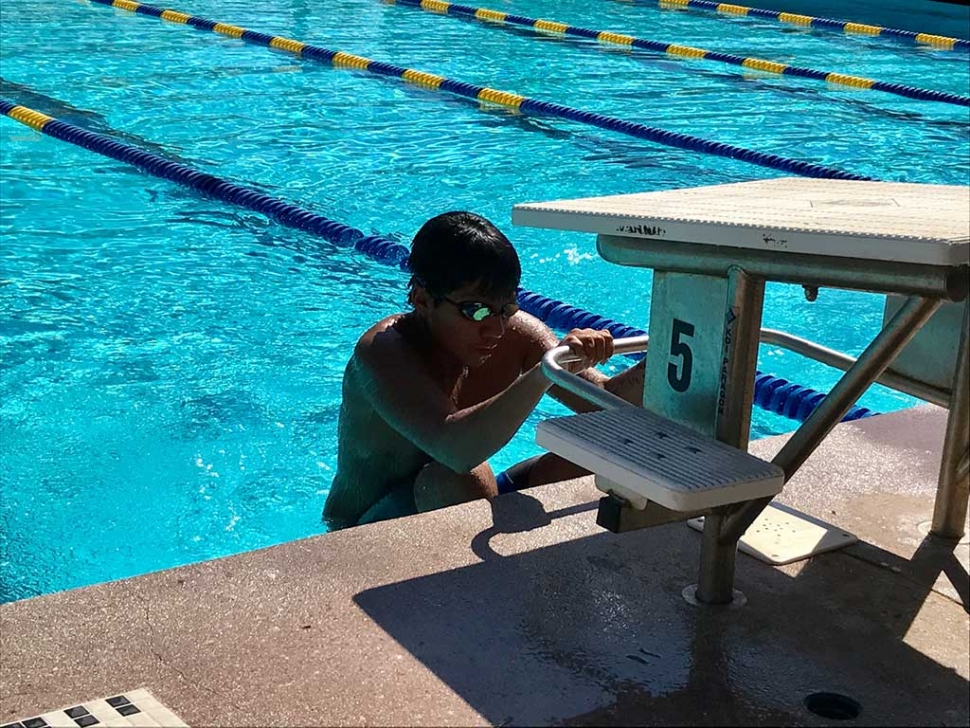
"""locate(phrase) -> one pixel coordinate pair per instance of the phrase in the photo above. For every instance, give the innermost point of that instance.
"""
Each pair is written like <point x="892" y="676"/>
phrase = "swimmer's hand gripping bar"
<point x="553" y="360"/>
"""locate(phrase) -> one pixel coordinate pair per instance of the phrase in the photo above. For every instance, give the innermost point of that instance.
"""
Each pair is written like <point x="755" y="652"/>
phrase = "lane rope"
<point x="771" y="393"/>
<point x="501" y="98"/>
<point x="807" y="21"/>
<point x="500" y="19"/>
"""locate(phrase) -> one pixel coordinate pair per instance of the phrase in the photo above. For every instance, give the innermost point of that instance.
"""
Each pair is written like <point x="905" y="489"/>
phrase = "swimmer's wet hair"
<point x="456" y="249"/>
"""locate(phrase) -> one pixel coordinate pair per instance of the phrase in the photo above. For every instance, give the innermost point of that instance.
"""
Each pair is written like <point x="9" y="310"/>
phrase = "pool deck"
<point x="523" y="611"/>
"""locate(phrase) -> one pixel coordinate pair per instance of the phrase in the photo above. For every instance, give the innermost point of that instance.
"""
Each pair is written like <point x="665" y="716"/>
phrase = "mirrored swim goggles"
<point x="474" y="310"/>
<point x="478" y="312"/>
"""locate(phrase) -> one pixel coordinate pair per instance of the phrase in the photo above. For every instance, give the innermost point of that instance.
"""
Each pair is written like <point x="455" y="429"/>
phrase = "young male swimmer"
<point x="429" y="395"/>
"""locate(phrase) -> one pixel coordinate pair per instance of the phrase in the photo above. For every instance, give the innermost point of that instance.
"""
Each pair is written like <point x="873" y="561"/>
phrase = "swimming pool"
<point x="171" y="365"/>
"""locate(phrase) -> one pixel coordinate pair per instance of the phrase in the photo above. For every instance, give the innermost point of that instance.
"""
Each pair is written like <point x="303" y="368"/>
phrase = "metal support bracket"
<point x="618" y="516"/>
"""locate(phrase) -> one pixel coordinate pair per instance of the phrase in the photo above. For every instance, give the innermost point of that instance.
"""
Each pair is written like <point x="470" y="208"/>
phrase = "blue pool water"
<point x="170" y="366"/>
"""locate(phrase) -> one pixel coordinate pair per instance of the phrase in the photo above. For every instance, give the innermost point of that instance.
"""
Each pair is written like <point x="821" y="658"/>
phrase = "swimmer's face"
<point x="470" y="324"/>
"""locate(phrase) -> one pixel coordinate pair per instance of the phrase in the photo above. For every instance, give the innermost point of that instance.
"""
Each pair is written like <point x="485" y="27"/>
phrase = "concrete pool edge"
<point x="523" y="611"/>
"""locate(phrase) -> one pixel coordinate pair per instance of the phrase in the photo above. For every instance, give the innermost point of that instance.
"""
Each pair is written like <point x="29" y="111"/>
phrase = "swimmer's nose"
<point x="493" y="327"/>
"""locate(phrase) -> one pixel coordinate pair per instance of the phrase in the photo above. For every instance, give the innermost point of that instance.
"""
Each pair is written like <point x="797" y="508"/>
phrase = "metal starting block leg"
<point x="683" y="454"/>
<point x="659" y="471"/>
<point x="716" y="399"/>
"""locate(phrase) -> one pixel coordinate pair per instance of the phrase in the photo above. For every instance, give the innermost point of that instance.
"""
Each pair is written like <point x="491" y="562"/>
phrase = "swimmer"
<point x="430" y="394"/>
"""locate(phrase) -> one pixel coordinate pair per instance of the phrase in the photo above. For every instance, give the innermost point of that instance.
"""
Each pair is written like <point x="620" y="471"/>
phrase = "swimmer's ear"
<point x="422" y="301"/>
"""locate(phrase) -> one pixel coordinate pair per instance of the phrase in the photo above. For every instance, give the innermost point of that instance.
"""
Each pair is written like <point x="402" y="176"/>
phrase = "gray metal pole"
<point x="842" y="361"/>
<point x="866" y="369"/>
<point x="873" y="361"/>
<point x="953" y="491"/>
<point x="742" y="333"/>
<point x="715" y="582"/>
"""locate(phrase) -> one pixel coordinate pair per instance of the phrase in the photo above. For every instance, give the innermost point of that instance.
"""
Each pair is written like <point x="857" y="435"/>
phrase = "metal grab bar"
<point x="553" y="360"/>
<point x="842" y="361"/>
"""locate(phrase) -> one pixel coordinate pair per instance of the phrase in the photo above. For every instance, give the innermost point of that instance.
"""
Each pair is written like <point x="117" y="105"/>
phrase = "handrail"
<point x="899" y="382"/>
<point x="501" y="19"/>
<point x="553" y="360"/>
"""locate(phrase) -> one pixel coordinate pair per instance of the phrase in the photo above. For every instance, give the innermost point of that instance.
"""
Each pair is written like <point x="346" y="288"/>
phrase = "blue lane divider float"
<point x="771" y="393"/>
<point x="489" y="95"/>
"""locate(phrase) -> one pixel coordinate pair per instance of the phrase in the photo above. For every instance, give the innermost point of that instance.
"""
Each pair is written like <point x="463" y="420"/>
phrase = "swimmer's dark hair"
<point x="456" y="249"/>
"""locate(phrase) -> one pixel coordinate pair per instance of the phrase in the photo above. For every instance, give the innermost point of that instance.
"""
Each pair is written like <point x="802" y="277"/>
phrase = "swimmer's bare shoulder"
<point x="372" y="455"/>
<point x="357" y="376"/>
<point x="535" y="337"/>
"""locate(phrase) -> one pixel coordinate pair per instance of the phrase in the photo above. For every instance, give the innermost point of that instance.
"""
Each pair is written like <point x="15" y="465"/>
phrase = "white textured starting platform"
<point x="887" y="221"/>
<point x="134" y="709"/>
<point x="782" y="535"/>
<point x="644" y="456"/>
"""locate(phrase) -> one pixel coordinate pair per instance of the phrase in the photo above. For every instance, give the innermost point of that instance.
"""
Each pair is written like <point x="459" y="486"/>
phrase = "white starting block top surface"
<point x="886" y="221"/>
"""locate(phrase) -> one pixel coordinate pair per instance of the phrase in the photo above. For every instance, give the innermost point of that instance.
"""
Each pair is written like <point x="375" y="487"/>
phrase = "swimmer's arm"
<point x="628" y="384"/>
<point x="396" y="383"/>
<point x="539" y="338"/>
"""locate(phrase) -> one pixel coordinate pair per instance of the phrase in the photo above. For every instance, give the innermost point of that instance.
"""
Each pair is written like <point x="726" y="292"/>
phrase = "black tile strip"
<point x="35" y="723"/>
<point x="85" y="720"/>
<point x="77" y="711"/>
<point x="13" y="725"/>
<point x="117" y="700"/>
<point x="127" y="709"/>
